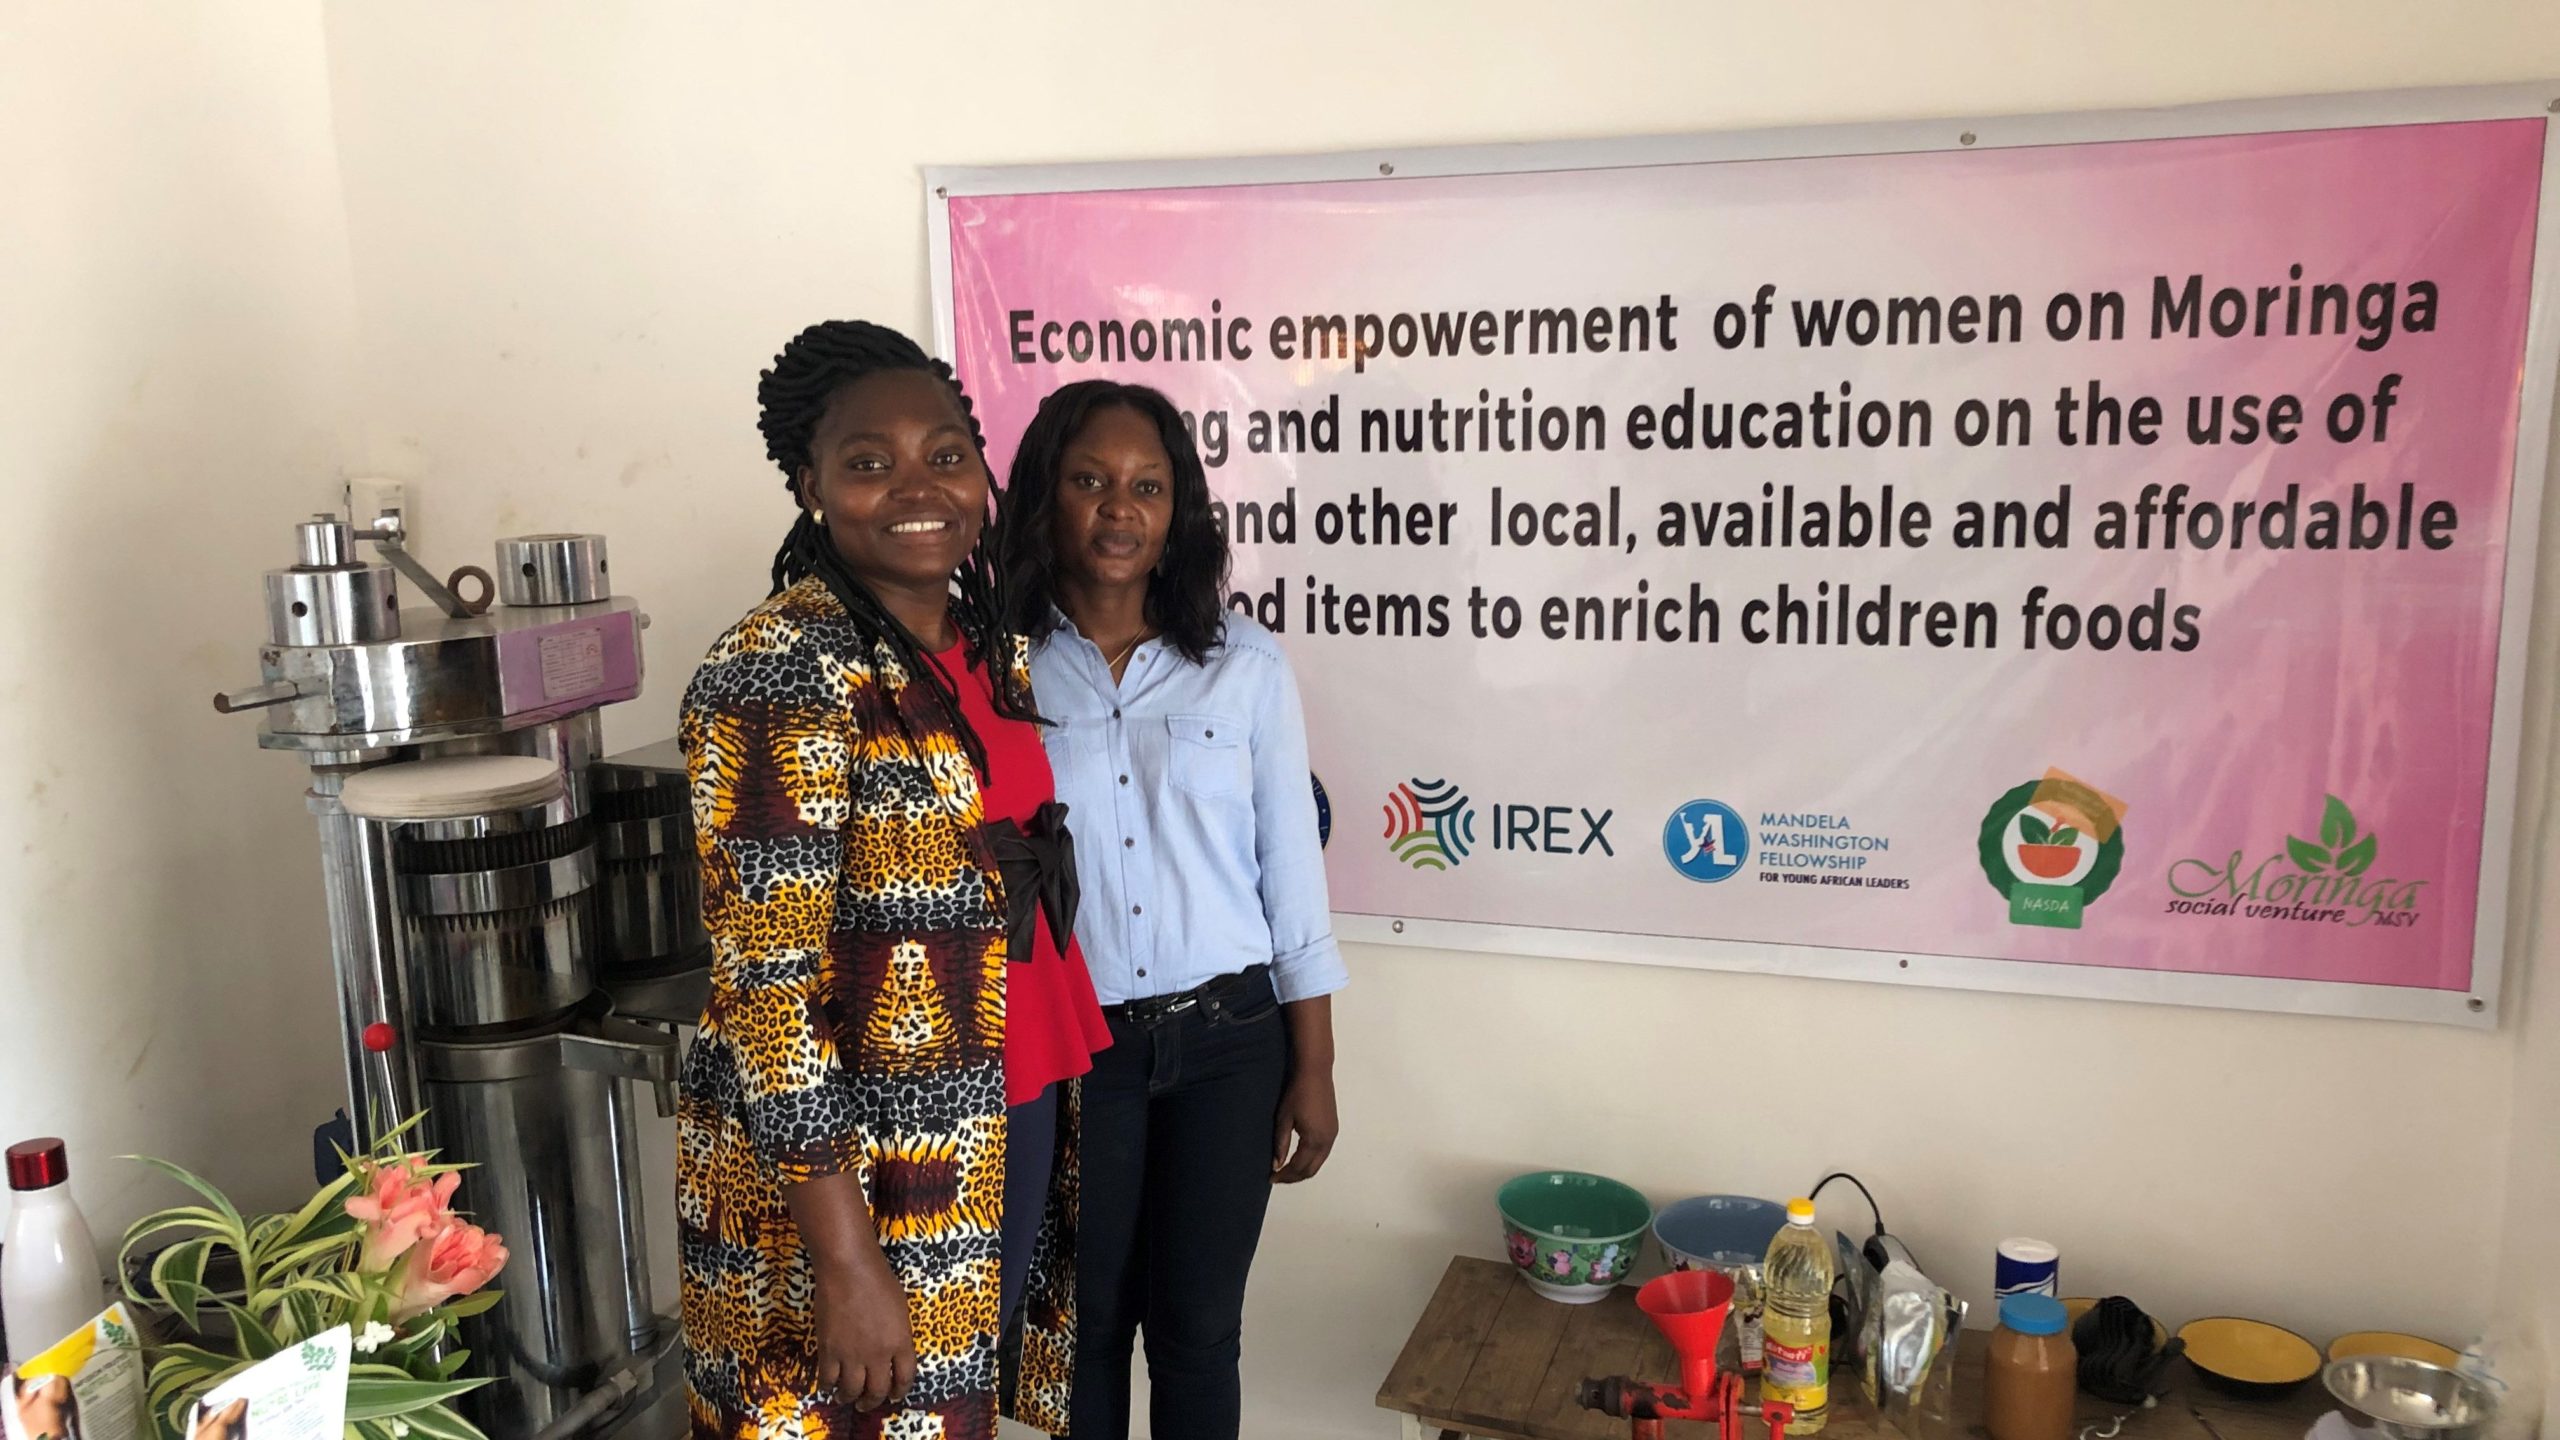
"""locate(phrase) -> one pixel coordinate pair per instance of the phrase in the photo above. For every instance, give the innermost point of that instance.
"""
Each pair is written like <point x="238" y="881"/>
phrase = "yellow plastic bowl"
<point x="2392" y="1342"/>
<point x="2249" y="1357"/>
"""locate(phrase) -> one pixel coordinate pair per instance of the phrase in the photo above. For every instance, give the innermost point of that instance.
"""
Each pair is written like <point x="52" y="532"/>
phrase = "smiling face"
<point x="1114" y="500"/>
<point x="899" y="484"/>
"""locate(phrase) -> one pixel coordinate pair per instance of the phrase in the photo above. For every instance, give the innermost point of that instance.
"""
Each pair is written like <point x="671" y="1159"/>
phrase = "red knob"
<point x="378" y="1037"/>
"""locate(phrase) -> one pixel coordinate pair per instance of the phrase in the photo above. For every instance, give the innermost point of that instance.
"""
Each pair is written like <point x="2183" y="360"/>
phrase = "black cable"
<point x="1862" y="1189"/>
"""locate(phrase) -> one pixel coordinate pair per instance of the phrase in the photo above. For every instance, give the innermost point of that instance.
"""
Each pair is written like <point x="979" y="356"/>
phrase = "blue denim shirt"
<point x="1194" y="814"/>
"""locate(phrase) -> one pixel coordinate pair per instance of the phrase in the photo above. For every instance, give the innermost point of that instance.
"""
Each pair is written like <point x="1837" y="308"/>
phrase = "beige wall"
<point x="175" y="344"/>
<point x="577" y="242"/>
<point x="578" y="231"/>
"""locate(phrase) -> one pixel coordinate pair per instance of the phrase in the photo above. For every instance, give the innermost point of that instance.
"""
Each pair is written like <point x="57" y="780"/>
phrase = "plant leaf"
<point x="255" y="1337"/>
<point x="2358" y="857"/>
<point x="451" y="1365"/>
<point x="177" y="1277"/>
<point x="2065" y="836"/>
<point x="479" y="1302"/>
<point x="438" y="1423"/>
<point x="2337" y="824"/>
<point x="2310" y="857"/>
<point x="290" y="1263"/>
<point x="222" y="1205"/>
<point x="315" y="1216"/>
<point x="373" y="1397"/>
<point x="2033" y="830"/>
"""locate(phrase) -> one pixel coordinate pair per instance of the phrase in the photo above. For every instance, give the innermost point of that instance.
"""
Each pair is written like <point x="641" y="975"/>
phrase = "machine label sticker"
<point x="572" y="664"/>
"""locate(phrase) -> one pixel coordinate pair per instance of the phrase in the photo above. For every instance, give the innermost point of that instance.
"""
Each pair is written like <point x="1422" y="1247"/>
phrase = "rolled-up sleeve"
<point x="767" y="755"/>
<point x="1305" y="961"/>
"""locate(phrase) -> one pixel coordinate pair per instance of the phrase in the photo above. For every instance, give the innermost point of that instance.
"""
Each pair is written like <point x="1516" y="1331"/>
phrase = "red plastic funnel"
<point x="1689" y="1308"/>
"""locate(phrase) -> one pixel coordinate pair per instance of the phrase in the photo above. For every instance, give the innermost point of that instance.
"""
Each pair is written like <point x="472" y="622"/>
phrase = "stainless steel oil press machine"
<point x="518" y="972"/>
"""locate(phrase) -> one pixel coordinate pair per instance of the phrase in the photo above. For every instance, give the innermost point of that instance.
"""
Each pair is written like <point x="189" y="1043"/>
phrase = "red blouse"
<point x="1053" y="1022"/>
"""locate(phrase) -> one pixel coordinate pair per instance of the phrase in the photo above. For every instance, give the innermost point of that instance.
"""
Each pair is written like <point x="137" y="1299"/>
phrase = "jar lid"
<point x="38" y="1164"/>
<point x="2033" y="1314"/>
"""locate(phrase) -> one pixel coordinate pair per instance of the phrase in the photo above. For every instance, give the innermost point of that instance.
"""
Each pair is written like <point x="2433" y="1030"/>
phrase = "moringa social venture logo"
<point x="2051" y="847"/>
<point x="1430" y="825"/>
<point x="2330" y="880"/>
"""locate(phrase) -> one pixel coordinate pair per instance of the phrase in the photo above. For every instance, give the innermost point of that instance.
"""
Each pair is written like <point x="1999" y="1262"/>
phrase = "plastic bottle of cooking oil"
<point x="1796" y="1353"/>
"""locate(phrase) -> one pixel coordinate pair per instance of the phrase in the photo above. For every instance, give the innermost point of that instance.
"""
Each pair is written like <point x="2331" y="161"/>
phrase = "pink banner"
<point x="2085" y="555"/>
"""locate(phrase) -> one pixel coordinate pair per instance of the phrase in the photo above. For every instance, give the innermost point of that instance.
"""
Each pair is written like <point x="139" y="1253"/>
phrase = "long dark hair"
<point x="790" y="399"/>
<point x="1187" y="594"/>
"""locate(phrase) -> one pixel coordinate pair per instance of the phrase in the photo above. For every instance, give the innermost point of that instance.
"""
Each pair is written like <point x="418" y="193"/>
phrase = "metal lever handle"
<point x="389" y="540"/>
<point x="626" y="1050"/>
<point x="274" y="692"/>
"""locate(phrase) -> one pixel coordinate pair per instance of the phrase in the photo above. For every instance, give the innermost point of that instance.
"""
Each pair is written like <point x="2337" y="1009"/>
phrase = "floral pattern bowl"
<point x="1573" y="1237"/>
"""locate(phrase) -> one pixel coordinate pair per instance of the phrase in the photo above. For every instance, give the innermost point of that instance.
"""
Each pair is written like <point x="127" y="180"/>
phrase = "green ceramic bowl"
<point x="1573" y="1236"/>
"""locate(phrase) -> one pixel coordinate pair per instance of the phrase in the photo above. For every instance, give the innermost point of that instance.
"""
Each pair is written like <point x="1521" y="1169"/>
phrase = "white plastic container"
<point x="49" y="1280"/>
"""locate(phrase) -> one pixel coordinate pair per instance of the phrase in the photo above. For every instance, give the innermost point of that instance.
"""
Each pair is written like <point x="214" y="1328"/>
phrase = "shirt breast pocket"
<point x="1209" y="756"/>
<point x="1078" y="753"/>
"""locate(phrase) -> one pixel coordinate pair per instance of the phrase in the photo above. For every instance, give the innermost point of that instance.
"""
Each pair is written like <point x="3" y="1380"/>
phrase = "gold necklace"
<point x="1113" y="664"/>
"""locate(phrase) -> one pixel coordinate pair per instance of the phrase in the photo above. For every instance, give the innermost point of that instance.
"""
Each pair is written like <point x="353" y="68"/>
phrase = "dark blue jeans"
<point x="1030" y="1147"/>
<point x="1176" y="1176"/>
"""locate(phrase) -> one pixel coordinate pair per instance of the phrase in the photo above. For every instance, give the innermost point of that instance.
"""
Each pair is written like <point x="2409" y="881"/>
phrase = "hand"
<point x="866" y="1348"/>
<point x="1308" y="1115"/>
<point x="224" y="1423"/>
<point x="44" y="1407"/>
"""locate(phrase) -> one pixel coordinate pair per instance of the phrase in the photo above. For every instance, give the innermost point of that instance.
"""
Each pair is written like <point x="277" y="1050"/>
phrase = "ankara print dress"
<point x="856" y="1025"/>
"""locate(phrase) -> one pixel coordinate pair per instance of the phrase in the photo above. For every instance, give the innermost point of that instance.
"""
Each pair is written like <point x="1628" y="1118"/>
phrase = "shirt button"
<point x="1142" y="974"/>
<point x="1124" y="779"/>
<point x="1129" y="842"/>
<point x="1208" y="734"/>
<point x="1137" y="909"/>
<point x="1115" y="714"/>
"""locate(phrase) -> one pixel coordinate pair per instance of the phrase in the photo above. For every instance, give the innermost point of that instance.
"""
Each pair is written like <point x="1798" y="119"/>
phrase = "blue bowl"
<point x="1717" y="1231"/>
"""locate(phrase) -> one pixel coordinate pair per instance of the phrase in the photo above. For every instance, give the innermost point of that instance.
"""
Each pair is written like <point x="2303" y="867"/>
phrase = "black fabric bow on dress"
<point x="1038" y="863"/>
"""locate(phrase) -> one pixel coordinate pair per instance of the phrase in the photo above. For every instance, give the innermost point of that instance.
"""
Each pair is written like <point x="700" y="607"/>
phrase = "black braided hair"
<point x="790" y="398"/>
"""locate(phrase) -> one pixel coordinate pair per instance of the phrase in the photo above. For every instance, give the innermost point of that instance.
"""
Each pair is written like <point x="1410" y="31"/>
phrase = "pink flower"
<point x="460" y="1259"/>
<point x="401" y="1207"/>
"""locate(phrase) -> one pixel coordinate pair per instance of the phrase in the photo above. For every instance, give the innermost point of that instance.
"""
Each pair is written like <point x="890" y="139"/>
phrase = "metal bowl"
<point x="2407" y="1399"/>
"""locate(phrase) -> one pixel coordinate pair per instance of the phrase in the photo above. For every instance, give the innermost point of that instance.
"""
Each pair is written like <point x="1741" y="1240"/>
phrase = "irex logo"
<point x="1550" y="829"/>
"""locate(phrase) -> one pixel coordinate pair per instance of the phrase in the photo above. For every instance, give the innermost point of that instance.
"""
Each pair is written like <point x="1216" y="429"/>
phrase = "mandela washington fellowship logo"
<point x="1430" y="825"/>
<point x="2328" y="881"/>
<point x="1706" y="840"/>
<point x="2052" y="846"/>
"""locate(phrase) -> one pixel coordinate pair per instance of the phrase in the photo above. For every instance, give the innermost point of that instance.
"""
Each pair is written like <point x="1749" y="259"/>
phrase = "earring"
<point x="817" y="516"/>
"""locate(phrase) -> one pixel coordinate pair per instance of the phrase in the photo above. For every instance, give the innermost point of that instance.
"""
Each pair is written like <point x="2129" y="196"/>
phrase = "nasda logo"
<point x="1430" y="825"/>
<point x="2051" y="847"/>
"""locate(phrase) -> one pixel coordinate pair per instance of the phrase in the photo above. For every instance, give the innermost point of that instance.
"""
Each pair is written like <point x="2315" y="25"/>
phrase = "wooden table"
<point x="1494" y="1360"/>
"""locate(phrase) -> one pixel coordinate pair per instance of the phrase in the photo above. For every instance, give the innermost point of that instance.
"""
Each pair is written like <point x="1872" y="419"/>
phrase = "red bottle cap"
<point x="377" y="1037"/>
<point x="38" y="1164"/>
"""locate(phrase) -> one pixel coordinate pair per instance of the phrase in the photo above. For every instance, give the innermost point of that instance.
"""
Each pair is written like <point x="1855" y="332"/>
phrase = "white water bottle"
<point x="49" y="1281"/>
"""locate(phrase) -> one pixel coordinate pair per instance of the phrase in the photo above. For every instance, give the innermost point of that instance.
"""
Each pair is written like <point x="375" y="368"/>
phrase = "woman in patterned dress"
<point x="878" y="1131"/>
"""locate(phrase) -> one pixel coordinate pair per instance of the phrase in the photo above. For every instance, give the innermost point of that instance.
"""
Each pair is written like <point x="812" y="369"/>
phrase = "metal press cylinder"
<point x="351" y="605"/>
<point x="500" y="917"/>
<point x="544" y="570"/>
<point x="649" y="886"/>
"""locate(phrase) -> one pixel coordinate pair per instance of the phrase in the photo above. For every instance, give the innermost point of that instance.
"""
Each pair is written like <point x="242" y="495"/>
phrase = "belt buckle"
<point x="1151" y="1013"/>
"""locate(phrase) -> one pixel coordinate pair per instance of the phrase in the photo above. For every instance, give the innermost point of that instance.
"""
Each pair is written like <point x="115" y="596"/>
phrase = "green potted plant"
<point x="380" y="1250"/>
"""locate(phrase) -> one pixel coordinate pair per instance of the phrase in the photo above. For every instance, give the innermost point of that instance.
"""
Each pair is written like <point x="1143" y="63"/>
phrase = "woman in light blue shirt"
<point x="1181" y="755"/>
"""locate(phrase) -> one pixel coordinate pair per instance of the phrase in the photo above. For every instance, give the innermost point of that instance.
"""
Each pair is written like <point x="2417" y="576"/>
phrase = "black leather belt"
<point x="1038" y="863"/>
<point x="1226" y="989"/>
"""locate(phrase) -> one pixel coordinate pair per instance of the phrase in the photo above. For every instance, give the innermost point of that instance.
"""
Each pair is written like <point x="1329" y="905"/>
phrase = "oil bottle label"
<point x="1801" y="1373"/>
